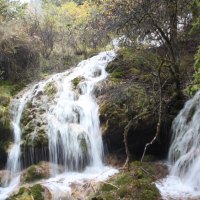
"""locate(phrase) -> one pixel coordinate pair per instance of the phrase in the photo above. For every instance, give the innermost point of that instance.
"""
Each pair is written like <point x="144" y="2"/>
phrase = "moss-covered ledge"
<point x="35" y="192"/>
<point x="136" y="184"/>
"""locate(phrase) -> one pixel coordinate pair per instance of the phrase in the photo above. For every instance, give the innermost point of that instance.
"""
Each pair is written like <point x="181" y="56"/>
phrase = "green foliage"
<point x="196" y="17"/>
<point x="118" y="74"/>
<point x="31" y="193"/>
<point x="195" y="86"/>
<point x="10" y="10"/>
<point x="66" y="32"/>
<point x="195" y="8"/>
<point x="19" y="58"/>
<point x="76" y="81"/>
<point x="135" y="184"/>
<point x="36" y="191"/>
<point x="23" y="194"/>
<point x="22" y="190"/>
<point x="6" y="88"/>
<point x="9" y="89"/>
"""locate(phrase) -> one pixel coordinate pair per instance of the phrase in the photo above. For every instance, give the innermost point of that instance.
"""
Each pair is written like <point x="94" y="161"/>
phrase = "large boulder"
<point x="34" y="126"/>
<point x="36" y="172"/>
<point x="118" y="105"/>
<point x="130" y="93"/>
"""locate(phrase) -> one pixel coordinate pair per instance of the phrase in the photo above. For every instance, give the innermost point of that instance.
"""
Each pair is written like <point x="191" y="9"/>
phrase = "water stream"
<point x="183" y="181"/>
<point x="73" y="128"/>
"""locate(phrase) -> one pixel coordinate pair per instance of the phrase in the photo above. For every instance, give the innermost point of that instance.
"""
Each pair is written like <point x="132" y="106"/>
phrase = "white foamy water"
<point x="183" y="181"/>
<point x="73" y="123"/>
<point x="60" y="186"/>
<point x="73" y="127"/>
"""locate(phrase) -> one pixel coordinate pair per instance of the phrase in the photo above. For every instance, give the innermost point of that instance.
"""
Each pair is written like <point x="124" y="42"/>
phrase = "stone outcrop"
<point x="126" y="95"/>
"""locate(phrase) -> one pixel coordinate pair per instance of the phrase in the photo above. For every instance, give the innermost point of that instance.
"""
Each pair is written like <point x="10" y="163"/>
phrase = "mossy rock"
<point x="50" y="89"/>
<point x="4" y="101"/>
<point x="36" y="191"/>
<point x="77" y="80"/>
<point x="5" y="117"/>
<point x="32" y="174"/>
<point x="118" y="74"/>
<point x="23" y="194"/>
<point x="120" y="104"/>
<point x="31" y="193"/>
<point x="40" y="139"/>
<point x="6" y="135"/>
<point x="136" y="184"/>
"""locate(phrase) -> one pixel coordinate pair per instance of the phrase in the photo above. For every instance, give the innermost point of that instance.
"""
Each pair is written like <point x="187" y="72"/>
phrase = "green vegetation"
<point x="10" y="10"/>
<point x="32" y="193"/>
<point x="144" y="78"/>
<point x="50" y="89"/>
<point x="7" y="90"/>
<point x="37" y="44"/>
<point x="36" y="191"/>
<point x="76" y="81"/>
<point x="195" y="86"/>
<point x="137" y="184"/>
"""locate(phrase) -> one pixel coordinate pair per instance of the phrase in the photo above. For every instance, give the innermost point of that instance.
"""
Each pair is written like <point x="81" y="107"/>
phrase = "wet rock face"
<point x="117" y="107"/>
<point x="5" y="129"/>
<point x="5" y="139"/>
<point x="34" y="126"/>
<point x="118" y="104"/>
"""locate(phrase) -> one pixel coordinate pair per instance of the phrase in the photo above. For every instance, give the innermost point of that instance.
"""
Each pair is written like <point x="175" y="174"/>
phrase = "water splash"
<point x="184" y="155"/>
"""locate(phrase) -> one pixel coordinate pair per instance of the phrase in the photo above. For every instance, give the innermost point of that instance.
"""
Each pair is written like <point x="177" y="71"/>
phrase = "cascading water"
<point x="70" y="117"/>
<point x="184" y="155"/>
<point x="12" y="177"/>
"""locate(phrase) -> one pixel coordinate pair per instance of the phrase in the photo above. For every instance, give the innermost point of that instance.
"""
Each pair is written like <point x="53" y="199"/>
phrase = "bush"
<point x="19" y="58"/>
<point x="195" y="86"/>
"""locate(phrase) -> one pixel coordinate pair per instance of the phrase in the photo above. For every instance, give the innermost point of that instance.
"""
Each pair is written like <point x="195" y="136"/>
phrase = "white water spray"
<point x="184" y="155"/>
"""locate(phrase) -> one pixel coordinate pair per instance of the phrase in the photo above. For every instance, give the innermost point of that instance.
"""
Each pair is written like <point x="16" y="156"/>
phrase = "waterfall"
<point x="69" y="113"/>
<point x="73" y="124"/>
<point x="12" y="177"/>
<point x="183" y="181"/>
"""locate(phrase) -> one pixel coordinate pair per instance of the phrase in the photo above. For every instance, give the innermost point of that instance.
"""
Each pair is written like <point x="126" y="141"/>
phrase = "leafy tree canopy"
<point x="10" y="10"/>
